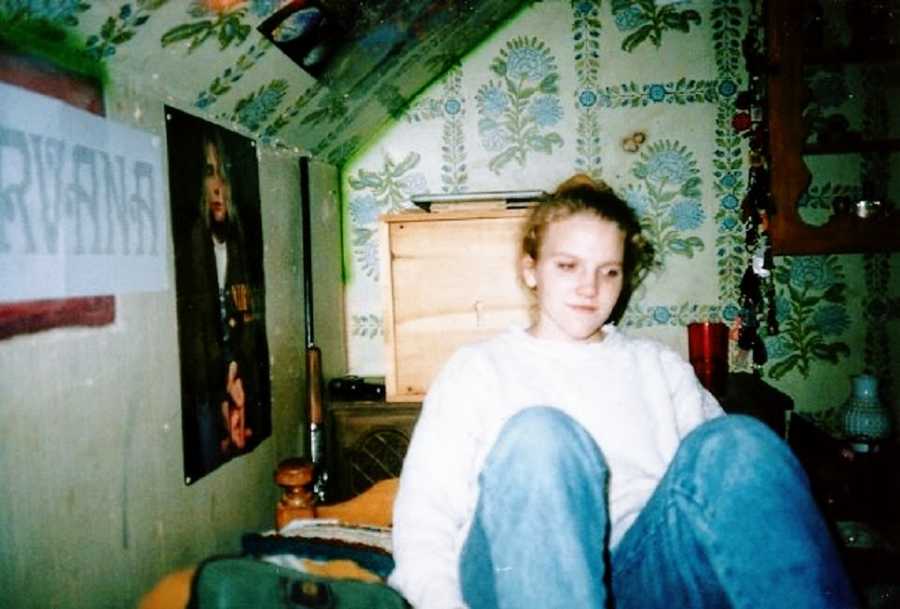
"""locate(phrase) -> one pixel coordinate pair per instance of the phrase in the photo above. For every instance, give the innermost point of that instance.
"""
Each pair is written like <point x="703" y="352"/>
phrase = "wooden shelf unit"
<point x="790" y="176"/>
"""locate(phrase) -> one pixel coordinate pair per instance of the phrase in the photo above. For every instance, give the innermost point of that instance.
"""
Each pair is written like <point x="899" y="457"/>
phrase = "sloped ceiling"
<point x="207" y="57"/>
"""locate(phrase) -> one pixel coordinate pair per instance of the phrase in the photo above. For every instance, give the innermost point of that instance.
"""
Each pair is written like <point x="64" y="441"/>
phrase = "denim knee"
<point x="734" y="436"/>
<point x="542" y="437"/>
<point x="738" y="448"/>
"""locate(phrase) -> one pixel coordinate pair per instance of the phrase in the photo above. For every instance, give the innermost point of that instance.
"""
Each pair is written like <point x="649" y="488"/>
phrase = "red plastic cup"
<point x="708" y="353"/>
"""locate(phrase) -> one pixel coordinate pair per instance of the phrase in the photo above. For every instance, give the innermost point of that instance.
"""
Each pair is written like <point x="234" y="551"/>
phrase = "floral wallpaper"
<point x="638" y="93"/>
<point x="518" y="109"/>
<point x="207" y="57"/>
<point x="644" y="98"/>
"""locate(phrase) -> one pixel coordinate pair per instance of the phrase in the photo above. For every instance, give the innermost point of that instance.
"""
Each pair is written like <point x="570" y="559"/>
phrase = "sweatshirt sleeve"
<point x="693" y="403"/>
<point x="436" y="486"/>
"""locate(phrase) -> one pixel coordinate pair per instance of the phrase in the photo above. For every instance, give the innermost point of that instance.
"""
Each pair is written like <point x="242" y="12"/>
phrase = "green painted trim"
<point x="364" y="148"/>
<point x="346" y="248"/>
<point x="61" y="47"/>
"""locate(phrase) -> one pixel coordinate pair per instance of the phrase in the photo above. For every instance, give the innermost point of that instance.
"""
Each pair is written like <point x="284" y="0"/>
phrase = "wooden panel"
<point x="449" y="280"/>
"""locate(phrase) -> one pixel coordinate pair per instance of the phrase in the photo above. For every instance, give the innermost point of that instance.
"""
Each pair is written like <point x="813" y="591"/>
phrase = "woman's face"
<point x="577" y="277"/>
<point x="215" y="185"/>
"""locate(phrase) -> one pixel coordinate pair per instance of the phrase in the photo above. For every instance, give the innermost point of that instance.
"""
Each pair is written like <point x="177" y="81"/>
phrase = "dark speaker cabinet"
<point x="366" y="443"/>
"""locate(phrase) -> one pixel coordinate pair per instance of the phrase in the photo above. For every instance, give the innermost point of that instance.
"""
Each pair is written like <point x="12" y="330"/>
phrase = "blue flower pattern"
<point x="687" y="214"/>
<point x="661" y="315"/>
<point x="584" y="8"/>
<point x="253" y="111"/>
<point x="730" y="312"/>
<point x="638" y="200"/>
<point x="528" y="63"/>
<point x="587" y="98"/>
<point x="379" y="192"/>
<point x="811" y="310"/>
<point x="667" y="199"/>
<point x="517" y="110"/>
<point x="493" y="101"/>
<point x="363" y="209"/>
<point x="452" y="106"/>
<point x="647" y="20"/>
<point x="808" y="272"/>
<point x="545" y="110"/>
<point x="630" y="18"/>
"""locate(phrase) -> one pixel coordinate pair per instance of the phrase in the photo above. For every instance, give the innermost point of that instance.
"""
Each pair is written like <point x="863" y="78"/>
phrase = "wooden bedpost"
<point x="296" y="477"/>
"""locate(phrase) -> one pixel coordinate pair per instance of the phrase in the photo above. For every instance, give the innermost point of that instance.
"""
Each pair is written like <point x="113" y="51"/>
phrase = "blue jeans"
<point x="731" y="524"/>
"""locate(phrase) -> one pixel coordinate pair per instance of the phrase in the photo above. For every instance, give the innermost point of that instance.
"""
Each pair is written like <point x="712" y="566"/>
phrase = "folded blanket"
<point x="323" y="548"/>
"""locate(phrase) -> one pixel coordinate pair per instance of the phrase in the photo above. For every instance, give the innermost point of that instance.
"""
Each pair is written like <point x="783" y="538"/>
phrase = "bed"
<point x="359" y="528"/>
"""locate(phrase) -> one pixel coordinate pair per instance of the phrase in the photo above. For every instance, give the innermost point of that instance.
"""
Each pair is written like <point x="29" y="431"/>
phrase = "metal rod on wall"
<point x="314" y="399"/>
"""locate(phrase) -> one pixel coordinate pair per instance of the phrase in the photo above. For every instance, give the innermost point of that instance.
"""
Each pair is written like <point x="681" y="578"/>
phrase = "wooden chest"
<point x="449" y="278"/>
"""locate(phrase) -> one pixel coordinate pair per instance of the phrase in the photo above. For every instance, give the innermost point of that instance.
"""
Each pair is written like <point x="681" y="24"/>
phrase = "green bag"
<point x="249" y="583"/>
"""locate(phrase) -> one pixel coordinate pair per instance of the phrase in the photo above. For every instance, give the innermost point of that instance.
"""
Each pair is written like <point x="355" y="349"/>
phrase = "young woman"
<point x="570" y="465"/>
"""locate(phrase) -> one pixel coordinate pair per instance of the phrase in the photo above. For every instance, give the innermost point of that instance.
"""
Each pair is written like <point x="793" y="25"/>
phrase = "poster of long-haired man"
<point x="217" y="234"/>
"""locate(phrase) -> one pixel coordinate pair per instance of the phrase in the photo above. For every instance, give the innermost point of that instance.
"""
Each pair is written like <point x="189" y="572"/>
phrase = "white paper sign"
<point x="82" y="202"/>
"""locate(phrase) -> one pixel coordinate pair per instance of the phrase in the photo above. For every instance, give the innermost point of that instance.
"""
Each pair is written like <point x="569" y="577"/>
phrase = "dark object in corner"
<point x="353" y="388"/>
<point x="306" y="33"/>
<point x="748" y="394"/>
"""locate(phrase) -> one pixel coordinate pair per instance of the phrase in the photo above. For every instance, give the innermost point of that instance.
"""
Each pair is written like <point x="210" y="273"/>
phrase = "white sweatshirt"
<point x="636" y="397"/>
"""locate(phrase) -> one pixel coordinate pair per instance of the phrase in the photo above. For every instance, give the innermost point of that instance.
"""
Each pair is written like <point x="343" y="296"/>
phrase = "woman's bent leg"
<point x="539" y="534"/>
<point x="732" y="524"/>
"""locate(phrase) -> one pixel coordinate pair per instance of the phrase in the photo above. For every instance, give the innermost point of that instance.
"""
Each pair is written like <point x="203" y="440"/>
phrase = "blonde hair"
<point x="582" y="194"/>
<point x="211" y="136"/>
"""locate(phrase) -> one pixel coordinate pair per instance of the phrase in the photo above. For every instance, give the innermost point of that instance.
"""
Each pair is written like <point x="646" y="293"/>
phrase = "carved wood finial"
<point x="296" y="477"/>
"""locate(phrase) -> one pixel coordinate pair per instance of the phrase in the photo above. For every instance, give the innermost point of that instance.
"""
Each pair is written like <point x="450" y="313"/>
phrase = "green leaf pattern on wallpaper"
<point x="120" y="29"/>
<point x="222" y="84"/>
<point x="288" y="114"/>
<point x="667" y="199"/>
<point x="226" y="27"/>
<point x="879" y="309"/>
<point x="374" y="193"/>
<point x="646" y="20"/>
<point x="60" y="12"/>
<point x="729" y="186"/>
<point x="116" y="30"/>
<point x="454" y="174"/>
<point x="681" y="92"/>
<point x="726" y="21"/>
<point x="450" y="108"/>
<point x="678" y="315"/>
<point x="367" y="325"/>
<point x="255" y="109"/>
<point x="586" y="28"/>
<point x="518" y="109"/>
<point x="812" y="313"/>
